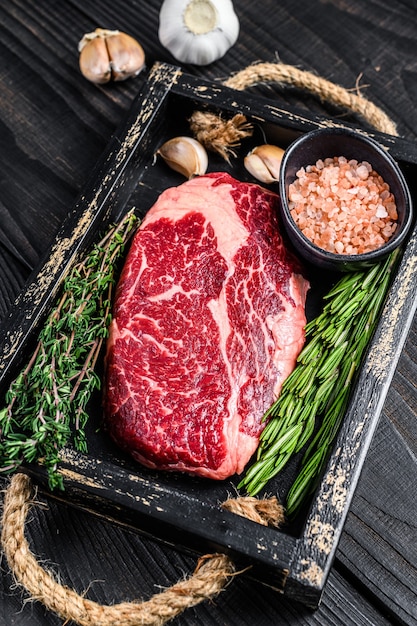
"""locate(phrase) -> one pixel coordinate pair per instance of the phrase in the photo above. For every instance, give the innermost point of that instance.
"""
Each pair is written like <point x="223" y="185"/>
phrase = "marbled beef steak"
<point x="208" y="322"/>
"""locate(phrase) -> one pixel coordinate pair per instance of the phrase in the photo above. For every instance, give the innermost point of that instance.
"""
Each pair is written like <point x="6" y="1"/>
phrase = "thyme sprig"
<point x="319" y="386"/>
<point x="46" y="404"/>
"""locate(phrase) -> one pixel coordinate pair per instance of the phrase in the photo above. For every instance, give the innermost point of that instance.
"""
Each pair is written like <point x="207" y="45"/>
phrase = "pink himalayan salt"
<point x="343" y="206"/>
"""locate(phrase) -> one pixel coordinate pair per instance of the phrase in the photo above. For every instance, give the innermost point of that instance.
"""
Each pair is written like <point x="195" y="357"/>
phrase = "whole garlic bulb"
<point x="110" y="55"/>
<point x="198" y="31"/>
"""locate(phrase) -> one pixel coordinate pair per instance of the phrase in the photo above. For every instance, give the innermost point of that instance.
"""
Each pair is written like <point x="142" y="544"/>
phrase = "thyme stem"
<point x="46" y="404"/>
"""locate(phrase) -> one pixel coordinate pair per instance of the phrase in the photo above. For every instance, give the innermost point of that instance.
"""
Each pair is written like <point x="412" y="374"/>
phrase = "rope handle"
<point x="209" y="578"/>
<point x="211" y="575"/>
<point x="222" y="136"/>
<point x="323" y="89"/>
<point x="213" y="571"/>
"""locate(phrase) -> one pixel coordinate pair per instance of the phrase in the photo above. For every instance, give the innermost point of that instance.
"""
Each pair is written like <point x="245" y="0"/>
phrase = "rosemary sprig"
<point x="320" y="384"/>
<point x="46" y="403"/>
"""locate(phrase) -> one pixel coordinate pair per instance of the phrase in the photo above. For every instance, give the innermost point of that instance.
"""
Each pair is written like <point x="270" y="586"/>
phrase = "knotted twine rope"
<point x="213" y="572"/>
<point x="209" y="578"/>
<point x="222" y="136"/>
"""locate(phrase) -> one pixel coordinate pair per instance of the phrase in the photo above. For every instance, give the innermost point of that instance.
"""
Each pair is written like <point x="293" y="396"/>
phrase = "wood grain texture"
<point x="380" y="535"/>
<point x="54" y="126"/>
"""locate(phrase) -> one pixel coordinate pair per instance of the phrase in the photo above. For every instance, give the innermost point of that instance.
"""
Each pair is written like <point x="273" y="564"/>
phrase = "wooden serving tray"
<point x="181" y="510"/>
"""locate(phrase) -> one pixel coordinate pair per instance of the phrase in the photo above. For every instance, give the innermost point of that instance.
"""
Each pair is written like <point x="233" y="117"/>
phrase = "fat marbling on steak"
<point x="208" y="321"/>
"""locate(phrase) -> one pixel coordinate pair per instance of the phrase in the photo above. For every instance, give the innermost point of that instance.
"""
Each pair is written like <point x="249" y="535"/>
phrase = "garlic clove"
<point x="127" y="56"/>
<point x="184" y="155"/>
<point x="264" y="163"/>
<point x="198" y="31"/>
<point x="94" y="60"/>
<point x="110" y="54"/>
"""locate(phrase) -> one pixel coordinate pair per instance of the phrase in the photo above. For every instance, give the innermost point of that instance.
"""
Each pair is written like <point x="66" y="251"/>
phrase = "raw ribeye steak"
<point x="208" y="321"/>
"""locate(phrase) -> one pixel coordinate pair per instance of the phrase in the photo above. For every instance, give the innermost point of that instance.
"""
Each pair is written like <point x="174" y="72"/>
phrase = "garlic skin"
<point x="184" y="155"/>
<point x="198" y="31"/>
<point x="264" y="163"/>
<point x="110" y="55"/>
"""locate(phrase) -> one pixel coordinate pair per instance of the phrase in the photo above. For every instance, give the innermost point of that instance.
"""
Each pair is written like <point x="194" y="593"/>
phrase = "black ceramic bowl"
<point x="336" y="142"/>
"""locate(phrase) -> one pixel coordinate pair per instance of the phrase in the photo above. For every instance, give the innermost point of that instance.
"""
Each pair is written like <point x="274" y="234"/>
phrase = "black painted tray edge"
<point x="301" y="564"/>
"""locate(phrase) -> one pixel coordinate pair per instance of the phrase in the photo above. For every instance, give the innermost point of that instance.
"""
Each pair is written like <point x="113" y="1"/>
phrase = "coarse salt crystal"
<point x="362" y="172"/>
<point x="381" y="211"/>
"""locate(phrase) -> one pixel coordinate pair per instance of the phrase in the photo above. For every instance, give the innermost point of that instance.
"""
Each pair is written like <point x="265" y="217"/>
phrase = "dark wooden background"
<point x="53" y="127"/>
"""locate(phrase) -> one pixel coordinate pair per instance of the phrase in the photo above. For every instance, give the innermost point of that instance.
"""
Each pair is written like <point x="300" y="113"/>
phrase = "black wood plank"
<point x="54" y="127"/>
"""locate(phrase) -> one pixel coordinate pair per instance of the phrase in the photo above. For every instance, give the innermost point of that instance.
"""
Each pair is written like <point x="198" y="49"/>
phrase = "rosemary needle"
<point x="319" y="386"/>
<point x="46" y="403"/>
